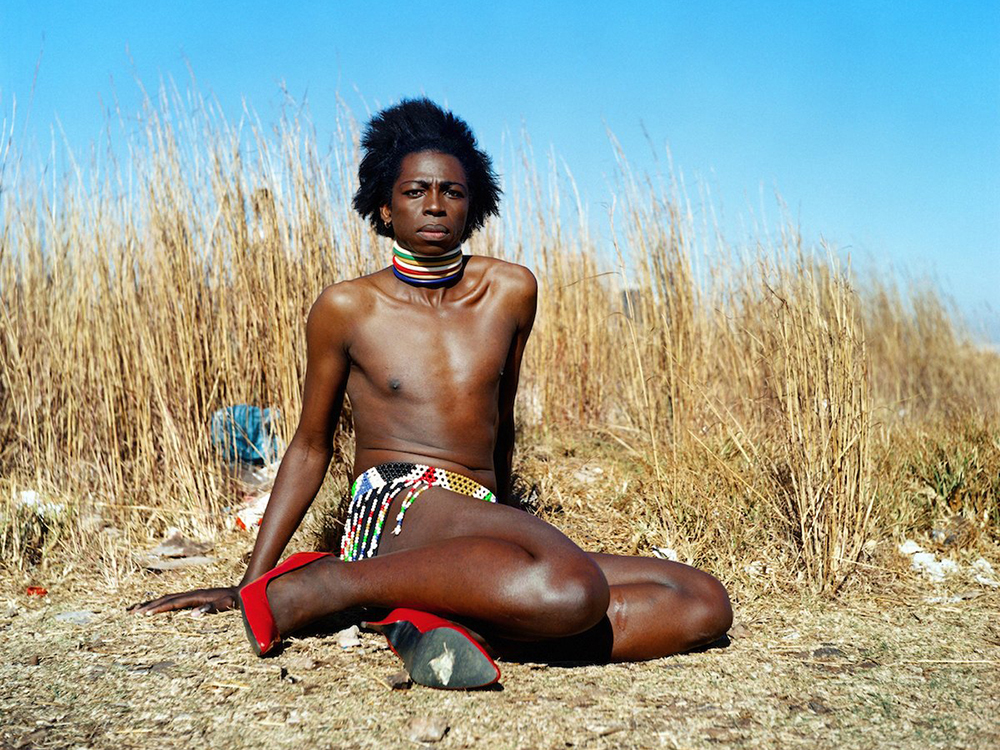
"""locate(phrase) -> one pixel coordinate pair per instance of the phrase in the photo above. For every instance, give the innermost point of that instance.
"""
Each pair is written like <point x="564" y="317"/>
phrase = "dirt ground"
<point x="872" y="671"/>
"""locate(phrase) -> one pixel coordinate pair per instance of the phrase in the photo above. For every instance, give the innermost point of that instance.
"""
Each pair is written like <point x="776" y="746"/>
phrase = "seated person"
<point x="429" y="351"/>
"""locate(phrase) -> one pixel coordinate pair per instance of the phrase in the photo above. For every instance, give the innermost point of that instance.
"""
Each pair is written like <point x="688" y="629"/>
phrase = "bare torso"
<point x="428" y="369"/>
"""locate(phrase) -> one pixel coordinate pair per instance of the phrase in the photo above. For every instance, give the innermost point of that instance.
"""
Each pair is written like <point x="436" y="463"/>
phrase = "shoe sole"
<point x="442" y="658"/>
<point x="249" y="631"/>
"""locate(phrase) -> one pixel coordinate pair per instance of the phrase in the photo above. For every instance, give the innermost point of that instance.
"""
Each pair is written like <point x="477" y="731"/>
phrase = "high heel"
<point x="257" y="618"/>
<point x="436" y="652"/>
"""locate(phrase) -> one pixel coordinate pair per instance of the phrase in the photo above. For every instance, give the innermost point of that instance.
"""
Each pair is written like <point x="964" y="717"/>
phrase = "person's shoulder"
<point x="516" y="289"/>
<point x="345" y="298"/>
<point x="340" y="305"/>
<point x="512" y="278"/>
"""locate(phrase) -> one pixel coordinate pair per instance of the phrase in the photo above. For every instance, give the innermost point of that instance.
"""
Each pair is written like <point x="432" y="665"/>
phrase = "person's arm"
<point x="524" y="296"/>
<point x="306" y="460"/>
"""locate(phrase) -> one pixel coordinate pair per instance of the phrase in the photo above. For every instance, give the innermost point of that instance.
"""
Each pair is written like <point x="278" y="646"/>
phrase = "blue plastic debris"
<point x="246" y="434"/>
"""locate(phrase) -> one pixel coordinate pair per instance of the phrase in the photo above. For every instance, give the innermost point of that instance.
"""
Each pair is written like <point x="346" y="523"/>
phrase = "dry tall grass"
<point x="758" y="404"/>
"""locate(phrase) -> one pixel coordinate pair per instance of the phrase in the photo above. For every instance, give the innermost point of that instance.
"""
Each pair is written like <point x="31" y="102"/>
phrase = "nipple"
<point x="394" y="384"/>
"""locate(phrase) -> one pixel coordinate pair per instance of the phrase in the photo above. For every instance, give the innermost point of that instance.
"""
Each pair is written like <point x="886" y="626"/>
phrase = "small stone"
<point x="719" y="734"/>
<point x="398" y="680"/>
<point x="34" y="660"/>
<point x="32" y="738"/>
<point x="740" y="630"/>
<point x="79" y="617"/>
<point x="588" y="474"/>
<point x="348" y="637"/>
<point x="177" y="545"/>
<point x="162" y="564"/>
<point x="818" y="707"/>
<point x="827" y="652"/>
<point x="300" y="663"/>
<point x="603" y="731"/>
<point x="427" y="729"/>
<point x="91" y="522"/>
<point x="162" y="667"/>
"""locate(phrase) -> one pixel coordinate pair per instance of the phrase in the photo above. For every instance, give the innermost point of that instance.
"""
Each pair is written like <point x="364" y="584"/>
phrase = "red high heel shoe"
<point x="437" y="652"/>
<point x="257" y="618"/>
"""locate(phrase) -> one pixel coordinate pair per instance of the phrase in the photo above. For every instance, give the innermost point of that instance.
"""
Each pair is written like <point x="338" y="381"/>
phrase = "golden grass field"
<point x="772" y="415"/>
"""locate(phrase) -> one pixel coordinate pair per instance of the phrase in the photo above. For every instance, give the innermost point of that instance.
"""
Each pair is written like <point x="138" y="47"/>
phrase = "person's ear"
<point x="386" y="213"/>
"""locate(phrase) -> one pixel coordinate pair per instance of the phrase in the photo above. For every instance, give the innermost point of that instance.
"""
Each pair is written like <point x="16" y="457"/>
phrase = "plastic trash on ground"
<point x="43" y="508"/>
<point x="250" y="515"/>
<point x="246" y="434"/>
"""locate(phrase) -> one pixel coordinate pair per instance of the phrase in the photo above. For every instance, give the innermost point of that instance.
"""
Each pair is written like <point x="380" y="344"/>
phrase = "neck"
<point x="426" y="270"/>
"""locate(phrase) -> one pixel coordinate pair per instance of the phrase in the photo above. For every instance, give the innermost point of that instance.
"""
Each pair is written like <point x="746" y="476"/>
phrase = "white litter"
<point x="936" y="570"/>
<point x="984" y="573"/>
<point x="910" y="547"/>
<point x="250" y="514"/>
<point x="443" y="665"/>
<point x="44" y="509"/>
<point x="756" y="568"/>
<point x="953" y="598"/>
<point x="665" y="553"/>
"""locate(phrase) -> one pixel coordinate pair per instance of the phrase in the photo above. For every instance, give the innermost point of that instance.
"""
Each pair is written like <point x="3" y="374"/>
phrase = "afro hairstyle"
<point x="412" y="126"/>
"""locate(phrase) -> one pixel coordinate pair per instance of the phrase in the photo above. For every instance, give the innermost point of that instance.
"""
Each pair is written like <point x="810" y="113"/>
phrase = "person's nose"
<point x="434" y="206"/>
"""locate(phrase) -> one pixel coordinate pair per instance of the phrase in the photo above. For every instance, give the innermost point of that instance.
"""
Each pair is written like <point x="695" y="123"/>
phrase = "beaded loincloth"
<point x="373" y="492"/>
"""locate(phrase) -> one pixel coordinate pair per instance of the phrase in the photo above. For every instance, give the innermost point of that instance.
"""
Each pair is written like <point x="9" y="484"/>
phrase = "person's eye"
<point x="455" y="193"/>
<point x="413" y="193"/>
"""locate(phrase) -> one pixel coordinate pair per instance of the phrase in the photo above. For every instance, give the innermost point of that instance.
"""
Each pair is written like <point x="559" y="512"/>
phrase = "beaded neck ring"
<point x="424" y="270"/>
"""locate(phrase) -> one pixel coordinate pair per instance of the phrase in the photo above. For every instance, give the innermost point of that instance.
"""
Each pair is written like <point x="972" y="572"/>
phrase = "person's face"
<point x="430" y="203"/>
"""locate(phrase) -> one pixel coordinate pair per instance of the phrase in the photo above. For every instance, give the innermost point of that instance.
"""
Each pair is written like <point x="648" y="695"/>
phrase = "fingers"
<point x="170" y="602"/>
<point x="204" y="602"/>
<point x="164" y="604"/>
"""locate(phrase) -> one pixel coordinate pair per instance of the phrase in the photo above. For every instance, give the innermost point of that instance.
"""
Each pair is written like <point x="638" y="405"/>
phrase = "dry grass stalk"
<point x="735" y="403"/>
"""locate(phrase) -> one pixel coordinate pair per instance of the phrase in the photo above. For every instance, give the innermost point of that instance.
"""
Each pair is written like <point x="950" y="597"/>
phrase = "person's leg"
<point x="516" y="578"/>
<point x="657" y="608"/>
<point x="461" y="558"/>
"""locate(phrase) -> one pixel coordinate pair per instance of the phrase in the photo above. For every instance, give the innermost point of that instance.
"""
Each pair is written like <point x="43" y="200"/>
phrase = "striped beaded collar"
<point x="425" y="270"/>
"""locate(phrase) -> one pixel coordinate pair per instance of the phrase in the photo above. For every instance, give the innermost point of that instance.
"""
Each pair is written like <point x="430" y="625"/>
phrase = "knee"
<point x="710" y="614"/>
<point x="575" y="597"/>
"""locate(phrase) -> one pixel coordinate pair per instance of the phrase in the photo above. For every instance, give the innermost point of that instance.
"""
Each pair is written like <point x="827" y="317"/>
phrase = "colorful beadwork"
<point x="417" y="268"/>
<point x="373" y="492"/>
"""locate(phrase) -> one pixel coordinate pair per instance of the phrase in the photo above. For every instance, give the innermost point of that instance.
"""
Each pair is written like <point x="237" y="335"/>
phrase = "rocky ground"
<point x="76" y="670"/>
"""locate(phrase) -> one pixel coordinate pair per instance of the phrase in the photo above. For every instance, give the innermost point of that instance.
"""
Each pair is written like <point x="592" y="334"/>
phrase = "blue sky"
<point x="878" y="122"/>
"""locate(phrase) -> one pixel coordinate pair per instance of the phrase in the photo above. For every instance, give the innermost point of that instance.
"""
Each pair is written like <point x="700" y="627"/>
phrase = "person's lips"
<point x="433" y="231"/>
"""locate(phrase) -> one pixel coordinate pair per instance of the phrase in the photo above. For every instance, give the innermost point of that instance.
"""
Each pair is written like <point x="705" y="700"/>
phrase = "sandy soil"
<point x="871" y="672"/>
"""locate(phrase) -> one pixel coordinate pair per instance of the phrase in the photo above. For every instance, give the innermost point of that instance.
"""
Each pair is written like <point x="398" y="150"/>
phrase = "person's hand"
<point x="202" y="601"/>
